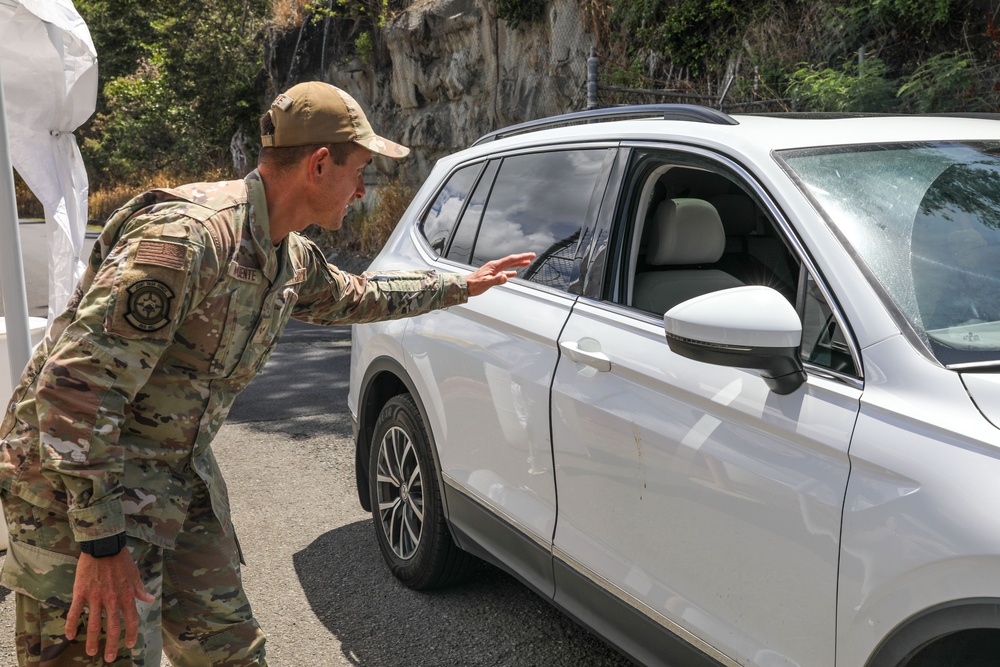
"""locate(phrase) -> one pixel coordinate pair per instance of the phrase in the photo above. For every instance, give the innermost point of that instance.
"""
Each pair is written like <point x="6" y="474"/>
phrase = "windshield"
<point x="925" y="220"/>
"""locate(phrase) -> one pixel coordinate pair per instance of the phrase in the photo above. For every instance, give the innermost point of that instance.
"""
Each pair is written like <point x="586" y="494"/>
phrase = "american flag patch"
<point x="161" y="253"/>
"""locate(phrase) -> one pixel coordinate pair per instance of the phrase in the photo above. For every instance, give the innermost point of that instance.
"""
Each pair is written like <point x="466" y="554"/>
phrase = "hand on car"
<point x="496" y="272"/>
<point x="112" y="586"/>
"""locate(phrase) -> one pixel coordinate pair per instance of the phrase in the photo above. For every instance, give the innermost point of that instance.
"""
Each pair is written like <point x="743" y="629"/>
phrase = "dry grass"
<point x="103" y="202"/>
<point x="378" y="222"/>
<point x="287" y="14"/>
<point x="366" y="231"/>
<point x="28" y="205"/>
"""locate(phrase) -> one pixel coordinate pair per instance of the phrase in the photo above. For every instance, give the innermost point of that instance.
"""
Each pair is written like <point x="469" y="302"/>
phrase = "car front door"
<point x="694" y="492"/>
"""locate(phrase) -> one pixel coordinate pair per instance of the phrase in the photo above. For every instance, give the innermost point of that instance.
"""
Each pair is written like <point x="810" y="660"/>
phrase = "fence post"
<point x="592" y="102"/>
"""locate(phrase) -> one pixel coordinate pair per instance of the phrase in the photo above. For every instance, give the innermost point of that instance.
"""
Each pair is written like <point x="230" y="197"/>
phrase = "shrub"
<point x="945" y="82"/>
<point x="851" y="88"/>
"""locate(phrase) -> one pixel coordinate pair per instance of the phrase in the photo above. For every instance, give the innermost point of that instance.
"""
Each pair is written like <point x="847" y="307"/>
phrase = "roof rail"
<point x="687" y="112"/>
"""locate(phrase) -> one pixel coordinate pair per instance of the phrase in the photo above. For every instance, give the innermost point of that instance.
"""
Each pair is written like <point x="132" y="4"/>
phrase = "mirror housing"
<point x="741" y="327"/>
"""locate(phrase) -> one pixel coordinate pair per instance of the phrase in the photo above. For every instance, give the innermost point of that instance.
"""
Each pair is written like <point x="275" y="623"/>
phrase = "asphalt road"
<point x="314" y="573"/>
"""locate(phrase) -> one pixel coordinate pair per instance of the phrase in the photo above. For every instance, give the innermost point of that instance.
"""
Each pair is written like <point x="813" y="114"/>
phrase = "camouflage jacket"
<point x="181" y="304"/>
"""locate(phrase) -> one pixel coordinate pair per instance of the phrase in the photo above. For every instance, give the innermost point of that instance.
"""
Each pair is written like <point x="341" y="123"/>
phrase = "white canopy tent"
<point x="48" y="70"/>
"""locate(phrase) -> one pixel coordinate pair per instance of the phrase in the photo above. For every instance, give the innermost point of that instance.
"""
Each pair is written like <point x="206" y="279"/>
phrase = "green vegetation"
<point x="818" y="55"/>
<point x="177" y="81"/>
<point x="181" y="83"/>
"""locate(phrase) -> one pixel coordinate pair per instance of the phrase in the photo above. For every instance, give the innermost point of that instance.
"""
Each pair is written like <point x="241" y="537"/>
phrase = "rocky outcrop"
<point x="458" y="72"/>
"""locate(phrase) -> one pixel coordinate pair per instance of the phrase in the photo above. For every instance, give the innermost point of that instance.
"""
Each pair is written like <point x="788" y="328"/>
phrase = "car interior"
<point x="702" y="232"/>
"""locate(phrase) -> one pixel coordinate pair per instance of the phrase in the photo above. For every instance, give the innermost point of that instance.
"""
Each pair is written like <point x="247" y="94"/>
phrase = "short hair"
<point x="285" y="157"/>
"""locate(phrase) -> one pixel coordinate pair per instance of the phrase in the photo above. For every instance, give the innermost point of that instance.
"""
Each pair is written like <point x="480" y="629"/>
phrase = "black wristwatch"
<point x="104" y="547"/>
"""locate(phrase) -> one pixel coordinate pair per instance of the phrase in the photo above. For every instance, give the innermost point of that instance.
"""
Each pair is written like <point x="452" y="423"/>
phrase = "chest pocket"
<point x="261" y="337"/>
<point x="205" y="335"/>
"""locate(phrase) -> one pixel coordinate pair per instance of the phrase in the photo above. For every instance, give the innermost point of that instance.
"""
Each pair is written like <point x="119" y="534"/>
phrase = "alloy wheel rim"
<point x="399" y="493"/>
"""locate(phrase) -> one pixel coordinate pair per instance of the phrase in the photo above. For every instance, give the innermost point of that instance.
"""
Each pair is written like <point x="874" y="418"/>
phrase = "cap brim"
<point x="383" y="146"/>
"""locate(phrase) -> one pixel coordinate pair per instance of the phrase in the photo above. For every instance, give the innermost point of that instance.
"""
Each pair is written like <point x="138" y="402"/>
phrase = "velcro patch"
<point x="148" y="305"/>
<point x="161" y="253"/>
<point x="282" y="101"/>
<point x="244" y="273"/>
<point x="299" y="277"/>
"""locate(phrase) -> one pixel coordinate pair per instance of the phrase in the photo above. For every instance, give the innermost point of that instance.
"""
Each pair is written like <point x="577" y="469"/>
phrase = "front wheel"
<point x="406" y="502"/>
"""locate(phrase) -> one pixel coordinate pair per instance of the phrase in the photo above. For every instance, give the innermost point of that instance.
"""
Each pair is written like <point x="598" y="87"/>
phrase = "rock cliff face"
<point x="456" y="72"/>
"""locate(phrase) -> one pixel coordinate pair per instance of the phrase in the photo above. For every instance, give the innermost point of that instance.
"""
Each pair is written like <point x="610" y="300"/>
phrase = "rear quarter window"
<point x="439" y="221"/>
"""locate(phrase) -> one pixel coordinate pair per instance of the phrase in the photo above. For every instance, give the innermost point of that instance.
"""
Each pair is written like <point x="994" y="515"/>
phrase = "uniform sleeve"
<point x="155" y="272"/>
<point x="331" y="296"/>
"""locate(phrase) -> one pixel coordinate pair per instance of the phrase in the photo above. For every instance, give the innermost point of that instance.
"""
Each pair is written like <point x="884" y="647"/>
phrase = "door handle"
<point x="586" y="351"/>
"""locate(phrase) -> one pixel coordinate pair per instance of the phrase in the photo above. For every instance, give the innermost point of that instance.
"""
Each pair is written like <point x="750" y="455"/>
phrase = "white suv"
<point x="742" y="409"/>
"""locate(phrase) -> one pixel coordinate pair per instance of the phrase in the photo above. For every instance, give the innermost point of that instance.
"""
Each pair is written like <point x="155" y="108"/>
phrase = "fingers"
<point x="131" y="626"/>
<point x="114" y="630"/>
<point x="141" y="593"/>
<point x="94" y="629"/>
<point x="73" y="617"/>
<point x="522" y="259"/>
<point x="496" y="272"/>
<point x="108" y="589"/>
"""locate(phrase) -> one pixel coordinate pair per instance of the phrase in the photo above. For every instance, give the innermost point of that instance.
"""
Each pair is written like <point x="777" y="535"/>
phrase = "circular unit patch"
<point x="148" y="305"/>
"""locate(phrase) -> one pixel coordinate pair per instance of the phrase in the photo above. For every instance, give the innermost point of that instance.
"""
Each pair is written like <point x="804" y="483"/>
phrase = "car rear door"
<point x="485" y="368"/>
<point x="692" y="491"/>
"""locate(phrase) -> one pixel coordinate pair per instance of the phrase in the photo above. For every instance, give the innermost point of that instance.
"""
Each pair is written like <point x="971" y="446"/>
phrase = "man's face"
<point x="343" y="183"/>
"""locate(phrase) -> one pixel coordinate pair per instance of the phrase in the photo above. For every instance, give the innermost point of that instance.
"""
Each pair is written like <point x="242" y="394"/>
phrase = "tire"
<point x="966" y="648"/>
<point x="409" y="519"/>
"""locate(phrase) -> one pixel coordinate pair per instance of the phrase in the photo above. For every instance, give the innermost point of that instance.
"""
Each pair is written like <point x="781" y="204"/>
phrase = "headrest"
<point x="686" y="231"/>
<point x="738" y="213"/>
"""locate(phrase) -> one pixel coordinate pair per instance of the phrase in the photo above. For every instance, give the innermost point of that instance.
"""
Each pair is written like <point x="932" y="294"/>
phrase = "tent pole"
<point x="15" y="299"/>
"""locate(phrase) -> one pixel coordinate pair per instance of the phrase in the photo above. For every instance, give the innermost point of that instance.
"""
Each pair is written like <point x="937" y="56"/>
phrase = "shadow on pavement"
<point x="493" y="620"/>
<point x="308" y="374"/>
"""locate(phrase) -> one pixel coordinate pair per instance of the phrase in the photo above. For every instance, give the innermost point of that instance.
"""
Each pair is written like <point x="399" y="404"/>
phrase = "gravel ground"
<point x="314" y="573"/>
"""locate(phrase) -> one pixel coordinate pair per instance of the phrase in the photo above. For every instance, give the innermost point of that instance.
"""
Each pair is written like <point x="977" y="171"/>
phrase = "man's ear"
<point x="316" y="159"/>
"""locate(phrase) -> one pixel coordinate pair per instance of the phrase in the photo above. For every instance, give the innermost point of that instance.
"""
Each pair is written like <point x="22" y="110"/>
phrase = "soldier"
<point x="113" y="497"/>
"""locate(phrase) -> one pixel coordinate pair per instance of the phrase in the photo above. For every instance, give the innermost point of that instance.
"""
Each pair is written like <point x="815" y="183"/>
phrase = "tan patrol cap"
<point x="318" y="113"/>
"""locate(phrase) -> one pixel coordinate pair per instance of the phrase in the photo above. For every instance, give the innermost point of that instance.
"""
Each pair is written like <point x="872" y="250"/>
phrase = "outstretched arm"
<point x="496" y="272"/>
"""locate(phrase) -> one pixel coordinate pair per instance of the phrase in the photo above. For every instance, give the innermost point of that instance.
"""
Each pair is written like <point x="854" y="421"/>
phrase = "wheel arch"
<point x="925" y="628"/>
<point x="384" y="378"/>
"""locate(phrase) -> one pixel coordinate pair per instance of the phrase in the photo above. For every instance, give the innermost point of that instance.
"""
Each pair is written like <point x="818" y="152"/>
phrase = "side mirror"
<point x="742" y="327"/>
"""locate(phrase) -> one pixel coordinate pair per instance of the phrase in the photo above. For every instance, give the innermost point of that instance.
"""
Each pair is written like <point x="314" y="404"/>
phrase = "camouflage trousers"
<point x="200" y="616"/>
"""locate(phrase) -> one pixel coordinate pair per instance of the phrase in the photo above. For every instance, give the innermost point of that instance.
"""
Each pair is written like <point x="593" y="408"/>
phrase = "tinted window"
<point x="440" y="219"/>
<point x="539" y="203"/>
<point x="465" y="236"/>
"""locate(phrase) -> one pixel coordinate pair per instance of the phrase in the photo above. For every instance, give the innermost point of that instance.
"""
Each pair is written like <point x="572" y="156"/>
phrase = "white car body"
<point x="848" y="522"/>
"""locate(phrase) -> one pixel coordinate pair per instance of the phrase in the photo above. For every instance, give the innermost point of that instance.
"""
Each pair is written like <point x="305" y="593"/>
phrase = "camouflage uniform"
<point x="111" y="425"/>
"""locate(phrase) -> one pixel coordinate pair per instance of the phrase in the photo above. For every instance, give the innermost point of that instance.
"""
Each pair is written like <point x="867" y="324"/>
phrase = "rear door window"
<point x="539" y="203"/>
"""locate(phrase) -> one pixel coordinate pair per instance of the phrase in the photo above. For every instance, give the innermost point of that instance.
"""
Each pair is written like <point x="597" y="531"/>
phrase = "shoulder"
<point x="304" y="250"/>
<point x="212" y="213"/>
<point x="202" y="200"/>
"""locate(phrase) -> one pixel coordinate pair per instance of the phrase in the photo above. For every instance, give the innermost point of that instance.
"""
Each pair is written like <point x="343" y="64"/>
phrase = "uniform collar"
<point x="268" y="256"/>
